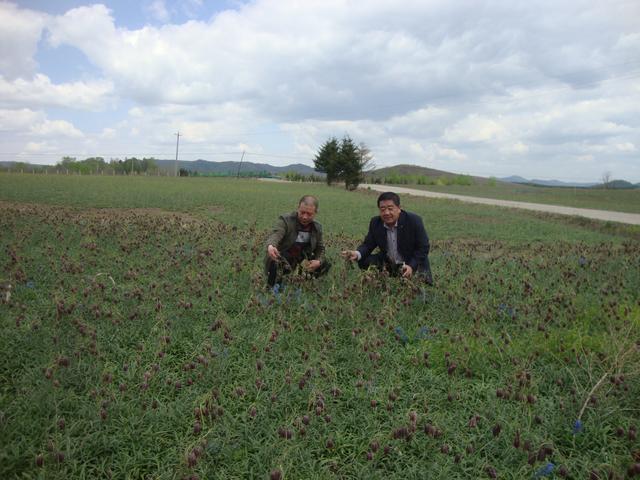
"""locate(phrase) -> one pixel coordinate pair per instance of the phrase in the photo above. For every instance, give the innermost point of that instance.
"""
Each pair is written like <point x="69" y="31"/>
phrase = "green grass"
<point x="139" y="341"/>
<point x="598" y="199"/>
<point x="239" y="203"/>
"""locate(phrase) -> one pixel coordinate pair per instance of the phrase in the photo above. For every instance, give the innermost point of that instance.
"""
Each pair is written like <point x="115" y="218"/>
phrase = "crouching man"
<point x="401" y="239"/>
<point x="296" y="242"/>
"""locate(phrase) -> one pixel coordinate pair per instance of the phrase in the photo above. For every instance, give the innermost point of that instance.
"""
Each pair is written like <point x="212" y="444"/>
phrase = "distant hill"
<point x="514" y="179"/>
<point x="558" y="183"/>
<point x="205" y="166"/>
<point x="202" y="166"/>
<point x="618" y="185"/>
<point x="408" y="170"/>
<point x="25" y="165"/>
<point x="418" y="171"/>
<point x="614" y="184"/>
<point x="545" y="183"/>
<point x="231" y="168"/>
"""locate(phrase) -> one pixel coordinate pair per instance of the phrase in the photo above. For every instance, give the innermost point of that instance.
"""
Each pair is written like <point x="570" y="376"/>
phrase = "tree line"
<point x="90" y="165"/>
<point x="398" y="179"/>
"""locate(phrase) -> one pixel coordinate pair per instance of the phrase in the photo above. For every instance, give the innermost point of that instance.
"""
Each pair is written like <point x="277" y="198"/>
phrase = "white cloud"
<point x="499" y="87"/>
<point x="626" y="147"/>
<point x="56" y="128"/>
<point x="38" y="92"/>
<point x="330" y="58"/>
<point x="203" y="130"/>
<point x="19" y="119"/>
<point x="20" y="32"/>
<point x="449" y="153"/>
<point x="515" y="148"/>
<point x="108" y="133"/>
<point x="30" y="131"/>
<point x="37" y="147"/>
<point x="585" y="158"/>
<point x="158" y="10"/>
<point x="475" y="128"/>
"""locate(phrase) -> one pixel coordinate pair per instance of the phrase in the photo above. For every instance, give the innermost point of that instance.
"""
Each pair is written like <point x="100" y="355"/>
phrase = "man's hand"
<point x="407" y="271"/>
<point x="273" y="252"/>
<point x="351" y="255"/>
<point x="313" y="265"/>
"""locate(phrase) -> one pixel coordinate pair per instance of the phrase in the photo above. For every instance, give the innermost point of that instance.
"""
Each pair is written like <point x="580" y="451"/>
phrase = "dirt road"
<point x="606" y="215"/>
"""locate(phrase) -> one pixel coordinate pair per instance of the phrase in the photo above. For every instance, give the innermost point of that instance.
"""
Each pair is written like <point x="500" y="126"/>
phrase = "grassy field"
<point x="138" y="340"/>
<point x="599" y="199"/>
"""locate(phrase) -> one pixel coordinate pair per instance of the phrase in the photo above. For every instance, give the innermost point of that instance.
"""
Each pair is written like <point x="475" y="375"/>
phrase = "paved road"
<point x="606" y="215"/>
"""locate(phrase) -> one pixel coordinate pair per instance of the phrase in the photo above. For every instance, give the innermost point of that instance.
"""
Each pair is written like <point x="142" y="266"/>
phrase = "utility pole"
<point x="177" y="143"/>
<point x="240" y="166"/>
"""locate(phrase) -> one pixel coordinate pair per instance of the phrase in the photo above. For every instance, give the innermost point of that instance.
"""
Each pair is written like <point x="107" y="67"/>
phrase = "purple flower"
<point x="577" y="427"/>
<point x="401" y="335"/>
<point x="545" y="471"/>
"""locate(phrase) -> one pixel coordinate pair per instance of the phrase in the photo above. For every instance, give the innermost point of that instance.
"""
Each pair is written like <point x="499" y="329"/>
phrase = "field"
<point x="600" y="199"/>
<point x="138" y="340"/>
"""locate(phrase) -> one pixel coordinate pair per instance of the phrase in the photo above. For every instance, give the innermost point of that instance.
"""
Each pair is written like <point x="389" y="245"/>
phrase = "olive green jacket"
<point x="284" y="233"/>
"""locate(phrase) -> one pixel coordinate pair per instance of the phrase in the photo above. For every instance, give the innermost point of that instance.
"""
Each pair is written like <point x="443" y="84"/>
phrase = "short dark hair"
<point x="389" y="196"/>
<point x="309" y="200"/>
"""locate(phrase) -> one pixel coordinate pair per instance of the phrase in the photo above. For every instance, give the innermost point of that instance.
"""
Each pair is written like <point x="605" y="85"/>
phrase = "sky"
<point x="540" y="89"/>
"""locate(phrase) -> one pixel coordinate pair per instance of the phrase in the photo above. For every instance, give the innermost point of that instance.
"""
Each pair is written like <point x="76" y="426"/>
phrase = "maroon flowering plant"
<point x="139" y="339"/>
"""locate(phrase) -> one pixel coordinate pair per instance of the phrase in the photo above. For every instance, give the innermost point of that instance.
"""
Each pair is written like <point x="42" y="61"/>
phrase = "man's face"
<point x="306" y="213"/>
<point x="389" y="212"/>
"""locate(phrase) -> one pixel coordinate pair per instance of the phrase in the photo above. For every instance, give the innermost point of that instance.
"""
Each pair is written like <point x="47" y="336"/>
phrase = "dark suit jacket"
<point x="413" y="242"/>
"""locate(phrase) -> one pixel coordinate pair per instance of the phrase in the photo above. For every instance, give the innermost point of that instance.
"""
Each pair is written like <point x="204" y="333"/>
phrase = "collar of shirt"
<point x="395" y="225"/>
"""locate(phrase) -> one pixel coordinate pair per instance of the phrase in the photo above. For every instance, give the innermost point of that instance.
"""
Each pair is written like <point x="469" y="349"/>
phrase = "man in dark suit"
<point x="401" y="238"/>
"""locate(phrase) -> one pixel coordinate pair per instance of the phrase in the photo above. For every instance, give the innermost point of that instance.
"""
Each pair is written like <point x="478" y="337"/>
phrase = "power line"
<point x="152" y="154"/>
<point x="116" y="154"/>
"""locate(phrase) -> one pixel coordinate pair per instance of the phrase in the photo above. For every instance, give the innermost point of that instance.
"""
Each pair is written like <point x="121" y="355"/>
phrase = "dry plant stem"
<point x="595" y="387"/>
<point x="108" y="276"/>
<point x="618" y="363"/>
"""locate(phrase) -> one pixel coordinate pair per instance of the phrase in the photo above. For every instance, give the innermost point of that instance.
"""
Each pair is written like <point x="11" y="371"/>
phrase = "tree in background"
<point x="344" y="161"/>
<point x="359" y="163"/>
<point x="366" y="158"/>
<point x="328" y="159"/>
<point x="95" y="165"/>
<point x="133" y="166"/>
<point x="350" y="161"/>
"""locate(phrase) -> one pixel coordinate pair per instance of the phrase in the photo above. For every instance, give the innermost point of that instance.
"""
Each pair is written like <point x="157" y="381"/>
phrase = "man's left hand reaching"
<point x="407" y="271"/>
<point x="313" y="265"/>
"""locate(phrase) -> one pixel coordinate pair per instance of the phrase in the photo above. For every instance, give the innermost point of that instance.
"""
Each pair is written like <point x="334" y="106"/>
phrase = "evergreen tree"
<point x="344" y="161"/>
<point x="328" y="160"/>
<point x="350" y="162"/>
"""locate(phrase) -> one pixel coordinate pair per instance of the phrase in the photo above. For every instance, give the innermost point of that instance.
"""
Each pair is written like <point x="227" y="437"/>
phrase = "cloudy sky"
<point x="542" y="89"/>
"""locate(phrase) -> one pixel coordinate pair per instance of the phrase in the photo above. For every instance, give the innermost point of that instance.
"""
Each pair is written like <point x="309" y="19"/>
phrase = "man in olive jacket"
<point x="296" y="237"/>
